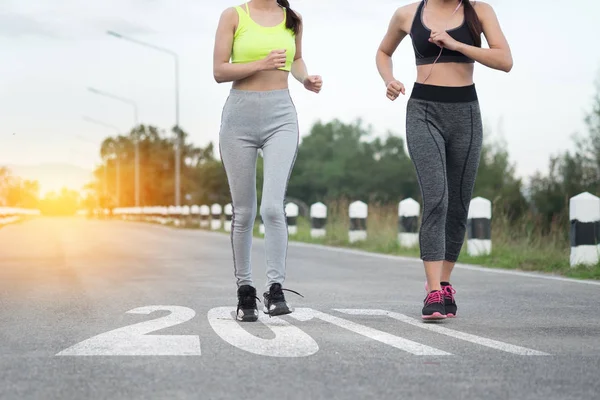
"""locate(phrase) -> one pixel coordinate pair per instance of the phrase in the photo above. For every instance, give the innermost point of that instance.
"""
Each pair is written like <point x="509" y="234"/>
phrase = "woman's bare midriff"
<point x="264" y="81"/>
<point x="446" y="74"/>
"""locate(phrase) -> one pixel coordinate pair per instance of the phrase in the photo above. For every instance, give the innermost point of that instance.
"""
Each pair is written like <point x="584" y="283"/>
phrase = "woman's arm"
<point x="389" y="44"/>
<point x="498" y="56"/>
<point x="299" y="70"/>
<point x="314" y="83"/>
<point x="223" y="70"/>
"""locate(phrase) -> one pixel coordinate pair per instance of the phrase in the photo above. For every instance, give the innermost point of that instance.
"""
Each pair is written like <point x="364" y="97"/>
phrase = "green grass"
<point x="521" y="245"/>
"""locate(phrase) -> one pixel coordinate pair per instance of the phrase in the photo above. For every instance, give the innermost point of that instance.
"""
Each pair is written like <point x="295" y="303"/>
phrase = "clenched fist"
<point x="394" y="88"/>
<point x="275" y="60"/>
<point x="314" y="83"/>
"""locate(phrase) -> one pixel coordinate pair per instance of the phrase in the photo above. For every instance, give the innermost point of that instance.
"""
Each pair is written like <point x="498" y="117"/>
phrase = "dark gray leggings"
<point x="444" y="135"/>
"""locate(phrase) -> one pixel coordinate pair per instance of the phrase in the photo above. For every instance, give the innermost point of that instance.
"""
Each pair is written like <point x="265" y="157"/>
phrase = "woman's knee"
<point x="437" y="211"/>
<point x="243" y="217"/>
<point x="272" y="213"/>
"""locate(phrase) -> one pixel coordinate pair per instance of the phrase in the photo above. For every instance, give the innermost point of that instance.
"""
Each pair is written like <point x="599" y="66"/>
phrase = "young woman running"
<point x="443" y="123"/>
<point x="263" y="41"/>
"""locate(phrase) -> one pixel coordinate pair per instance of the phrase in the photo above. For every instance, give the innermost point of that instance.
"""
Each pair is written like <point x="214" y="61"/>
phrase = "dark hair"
<point x="473" y="22"/>
<point x="293" y="20"/>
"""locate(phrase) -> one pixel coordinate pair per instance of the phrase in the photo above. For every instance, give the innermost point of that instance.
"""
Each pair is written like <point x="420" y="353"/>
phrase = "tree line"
<point x="335" y="160"/>
<point x="23" y="193"/>
<point x="347" y="160"/>
<point x="17" y="192"/>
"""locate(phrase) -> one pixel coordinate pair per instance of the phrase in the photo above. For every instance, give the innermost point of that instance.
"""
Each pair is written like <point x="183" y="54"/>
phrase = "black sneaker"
<point x="275" y="303"/>
<point x="434" y="308"/>
<point x="449" y="301"/>
<point x="247" y="311"/>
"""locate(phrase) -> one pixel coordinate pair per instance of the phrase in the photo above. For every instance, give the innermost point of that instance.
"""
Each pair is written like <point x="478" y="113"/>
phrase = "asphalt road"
<point x="121" y="310"/>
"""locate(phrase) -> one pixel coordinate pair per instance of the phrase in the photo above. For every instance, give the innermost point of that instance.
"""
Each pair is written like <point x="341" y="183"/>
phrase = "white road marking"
<point x="494" y="344"/>
<point x="306" y="314"/>
<point x="289" y="341"/>
<point x="133" y="340"/>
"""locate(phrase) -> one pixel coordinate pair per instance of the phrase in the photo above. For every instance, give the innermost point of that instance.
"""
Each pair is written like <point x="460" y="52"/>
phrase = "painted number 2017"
<point x="288" y="340"/>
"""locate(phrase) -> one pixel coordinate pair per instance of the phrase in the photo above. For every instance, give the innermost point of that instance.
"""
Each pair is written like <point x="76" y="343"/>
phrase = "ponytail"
<point x="473" y="22"/>
<point x="292" y="20"/>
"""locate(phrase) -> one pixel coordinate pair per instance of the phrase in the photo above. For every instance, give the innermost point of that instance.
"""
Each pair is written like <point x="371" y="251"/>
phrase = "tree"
<point x="497" y="182"/>
<point x="202" y="177"/>
<point x="570" y="173"/>
<point x="15" y="192"/>
<point x="336" y="160"/>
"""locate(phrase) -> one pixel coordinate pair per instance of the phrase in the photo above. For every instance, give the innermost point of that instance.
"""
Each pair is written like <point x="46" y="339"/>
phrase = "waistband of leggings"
<point x="444" y="94"/>
<point x="267" y="94"/>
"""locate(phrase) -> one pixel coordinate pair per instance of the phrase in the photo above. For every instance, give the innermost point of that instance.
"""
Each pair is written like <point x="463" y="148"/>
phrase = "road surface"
<point x="122" y="310"/>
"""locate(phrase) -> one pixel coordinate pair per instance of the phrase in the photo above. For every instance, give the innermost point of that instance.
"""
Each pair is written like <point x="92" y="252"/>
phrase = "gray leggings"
<point x="444" y="135"/>
<point x="252" y="121"/>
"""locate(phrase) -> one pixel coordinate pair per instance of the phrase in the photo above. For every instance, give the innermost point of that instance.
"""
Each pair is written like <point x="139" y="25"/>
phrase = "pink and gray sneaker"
<point x="434" y="308"/>
<point x="449" y="302"/>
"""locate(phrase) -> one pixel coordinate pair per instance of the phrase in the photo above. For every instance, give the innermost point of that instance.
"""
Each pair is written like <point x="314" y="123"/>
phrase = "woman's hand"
<point x="314" y="83"/>
<point x="275" y="60"/>
<point x="444" y="40"/>
<point x="394" y="88"/>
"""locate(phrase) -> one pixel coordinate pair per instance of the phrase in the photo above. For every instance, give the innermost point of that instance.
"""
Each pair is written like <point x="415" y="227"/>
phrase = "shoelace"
<point x="293" y="291"/>
<point x="277" y="294"/>
<point x="435" y="297"/>
<point x="449" y="292"/>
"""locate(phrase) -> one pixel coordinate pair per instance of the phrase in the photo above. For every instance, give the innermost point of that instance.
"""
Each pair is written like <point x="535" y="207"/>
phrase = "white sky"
<point x="50" y="51"/>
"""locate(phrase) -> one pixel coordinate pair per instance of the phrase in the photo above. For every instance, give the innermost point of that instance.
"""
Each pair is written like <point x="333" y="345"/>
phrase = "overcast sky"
<point x="50" y="51"/>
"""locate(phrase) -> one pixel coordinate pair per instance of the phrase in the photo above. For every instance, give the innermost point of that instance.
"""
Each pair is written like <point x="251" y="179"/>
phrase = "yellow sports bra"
<point x="253" y="42"/>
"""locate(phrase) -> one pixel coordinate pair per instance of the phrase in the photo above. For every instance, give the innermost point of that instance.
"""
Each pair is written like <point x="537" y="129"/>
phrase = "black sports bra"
<point x="426" y="52"/>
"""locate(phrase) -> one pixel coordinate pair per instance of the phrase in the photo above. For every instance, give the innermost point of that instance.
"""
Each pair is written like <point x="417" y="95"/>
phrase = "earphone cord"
<point x="442" y="49"/>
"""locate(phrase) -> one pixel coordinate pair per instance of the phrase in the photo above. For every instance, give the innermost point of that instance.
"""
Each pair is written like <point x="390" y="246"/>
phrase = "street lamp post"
<point x="117" y="163"/>
<point x="179" y="139"/>
<point x="136" y="140"/>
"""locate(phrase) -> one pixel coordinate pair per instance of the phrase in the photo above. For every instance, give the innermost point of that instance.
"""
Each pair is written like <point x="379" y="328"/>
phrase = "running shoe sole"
<point x="434" y="317"/>
<point x="280" y="309"/>
<point x="247" y="315"/>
